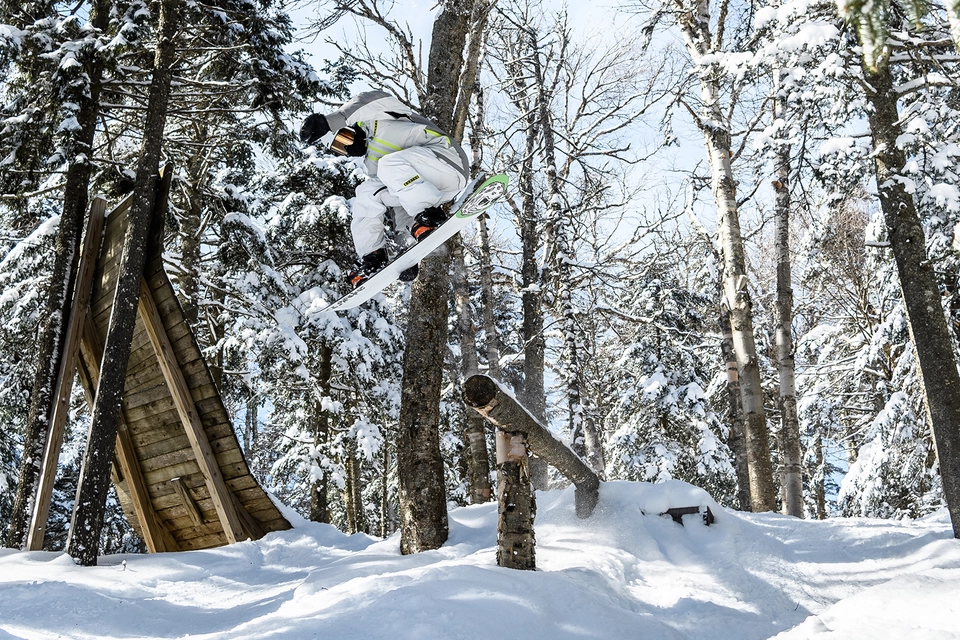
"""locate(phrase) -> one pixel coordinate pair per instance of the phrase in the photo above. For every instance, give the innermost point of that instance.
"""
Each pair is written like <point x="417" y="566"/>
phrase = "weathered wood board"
<point x="185" y="453"/>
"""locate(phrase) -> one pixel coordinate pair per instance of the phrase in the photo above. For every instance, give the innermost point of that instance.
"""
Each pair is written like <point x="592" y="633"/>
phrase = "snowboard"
<point x="468" y="205"/>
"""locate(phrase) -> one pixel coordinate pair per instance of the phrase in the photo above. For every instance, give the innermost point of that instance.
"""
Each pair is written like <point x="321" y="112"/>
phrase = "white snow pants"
<point x="413" y="179"/>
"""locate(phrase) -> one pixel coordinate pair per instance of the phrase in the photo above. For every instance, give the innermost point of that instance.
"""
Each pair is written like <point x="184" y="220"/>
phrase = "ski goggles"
<point x="342" y="140"/>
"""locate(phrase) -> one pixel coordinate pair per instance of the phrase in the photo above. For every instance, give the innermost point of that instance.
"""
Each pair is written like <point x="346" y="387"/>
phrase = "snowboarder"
<point x="414" y="167"/>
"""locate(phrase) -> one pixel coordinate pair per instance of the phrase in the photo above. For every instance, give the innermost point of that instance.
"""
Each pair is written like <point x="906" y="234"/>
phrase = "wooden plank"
<point x="163" y="447"/>
<point x="143" y="426"/>
<point x="122" y="207"/>
<point x="178" y="450"/>
<point x="183" y="525"/>
<point x="63" y="385"/>
<point x="168" y="459"/>
<point x="198" y="500"/>
<point x="250" y="525"/>
<point x="156" y="537"/>
<point x="232" y="527"/>
<point x="157" y="395"/>
<point x="152" y="401"/>
<point x="162" y="476"/>
<point x="187" y="501"/>
<point x="176" y="458"/>
<point x="154" y="533"/>
<point x="157" y="441"/>
<point x="146" y="430"/>
<point x="204" y="542"/>
<point x="143" y="407"/>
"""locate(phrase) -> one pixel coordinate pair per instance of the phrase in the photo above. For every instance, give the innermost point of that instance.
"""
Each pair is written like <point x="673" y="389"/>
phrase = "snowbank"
<point x="620" y="574"/>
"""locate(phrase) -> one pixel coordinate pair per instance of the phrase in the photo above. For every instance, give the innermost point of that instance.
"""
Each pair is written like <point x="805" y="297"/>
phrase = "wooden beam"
<point x="63" y="386"/>
<point x="499" y="406"/>
<point x="155" y="535"/>
<point x="187" y="500"/>
<point x="207" y="461"/>
<point x="250" y="524"/>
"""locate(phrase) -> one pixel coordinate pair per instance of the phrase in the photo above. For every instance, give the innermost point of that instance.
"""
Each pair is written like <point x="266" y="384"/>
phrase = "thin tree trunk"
<point x="66" y="257"/>
<point x="189" y="279"/>
<point x="423" y="506"/>
<point x="252" y="423"/>
<point x="477" y="457"/>
<point x="319" y="508"/>
<point x="486" y="264"/>
<point x="819" y="480"/>
<point x="737" y="440"/>
<point x="88" y="514"/>
<point x="533" y="393"/>
<point x="561" y="221"/>
<point x="491" y="336"/>
<point x="918" y="285"/>
<point x="789" y="423"/>
<point x="695" y="26"/>
<point x="385" y="528"/>
<point x="353" y="495"/>
<point x="516" y="504"/>
<point x="216" y="328"/>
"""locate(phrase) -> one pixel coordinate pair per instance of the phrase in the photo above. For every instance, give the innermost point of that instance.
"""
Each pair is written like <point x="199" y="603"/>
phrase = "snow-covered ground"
<point x="619" y="574"/>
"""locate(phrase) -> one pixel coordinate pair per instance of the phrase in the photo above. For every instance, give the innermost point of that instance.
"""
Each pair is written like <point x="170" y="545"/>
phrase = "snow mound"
<point x="623" y="573"/>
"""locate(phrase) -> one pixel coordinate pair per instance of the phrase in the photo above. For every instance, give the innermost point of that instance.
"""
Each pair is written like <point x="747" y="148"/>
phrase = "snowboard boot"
<point x="367" y="266"/>
<point x="425" y="222"/>
<point x="410" y="274"/>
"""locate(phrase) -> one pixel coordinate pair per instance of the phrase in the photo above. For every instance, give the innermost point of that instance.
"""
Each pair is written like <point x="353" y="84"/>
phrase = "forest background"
<point x="598" y="290"/>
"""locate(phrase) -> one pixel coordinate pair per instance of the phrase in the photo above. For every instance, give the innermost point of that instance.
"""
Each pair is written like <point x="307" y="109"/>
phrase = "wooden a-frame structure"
<point x="179" y="471"/>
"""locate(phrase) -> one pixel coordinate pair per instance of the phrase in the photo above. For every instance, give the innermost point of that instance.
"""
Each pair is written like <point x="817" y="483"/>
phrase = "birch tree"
<point x="792" y="482"/>
<point x="705" y="46"/>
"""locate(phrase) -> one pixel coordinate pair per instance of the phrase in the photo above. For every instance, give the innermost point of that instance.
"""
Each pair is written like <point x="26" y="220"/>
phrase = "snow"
<point x="836" y="145"/>
<point x="623" y="573"/>
<point x="946" y="195"/>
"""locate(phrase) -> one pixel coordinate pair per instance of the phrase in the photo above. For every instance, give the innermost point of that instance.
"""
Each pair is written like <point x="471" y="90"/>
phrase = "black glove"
<point x="314" y="128"/>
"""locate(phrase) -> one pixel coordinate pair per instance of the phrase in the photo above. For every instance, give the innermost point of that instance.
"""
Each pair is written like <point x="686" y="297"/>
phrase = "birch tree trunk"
<point x="737" y="440"/>
<point x="66" y="257"/>
<point x="790" y="425"/>
<point x="694" y="23"/>
<point x="84" y="540"/>
<point x="925" y="316"/>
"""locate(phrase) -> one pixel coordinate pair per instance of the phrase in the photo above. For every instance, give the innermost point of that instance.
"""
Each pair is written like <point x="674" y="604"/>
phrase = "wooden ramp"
<point x="179" y="470"/>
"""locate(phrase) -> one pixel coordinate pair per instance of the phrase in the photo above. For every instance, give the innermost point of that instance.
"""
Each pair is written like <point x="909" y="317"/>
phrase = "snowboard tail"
<point x="467" y="206"/>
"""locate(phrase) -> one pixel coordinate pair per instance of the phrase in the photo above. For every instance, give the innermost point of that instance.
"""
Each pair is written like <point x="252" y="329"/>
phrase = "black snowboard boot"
<point x="367" y="266"/>
<point x="410" y="274"/>
<point x="425" y="222"/>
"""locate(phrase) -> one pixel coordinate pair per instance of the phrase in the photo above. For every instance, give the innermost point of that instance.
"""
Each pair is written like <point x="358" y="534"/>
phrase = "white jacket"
<point x="391" y="126"/>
